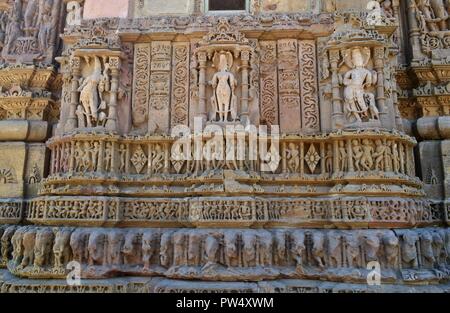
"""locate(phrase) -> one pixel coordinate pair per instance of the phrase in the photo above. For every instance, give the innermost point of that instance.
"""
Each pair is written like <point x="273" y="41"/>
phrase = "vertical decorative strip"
<point x="180" y="84"/>
<point x="140" y="86"/>
<point x="269" y="83"/>
<point x="308" y="86"/>
<point x="288" y="86"/>
<point x="159" y="110"/>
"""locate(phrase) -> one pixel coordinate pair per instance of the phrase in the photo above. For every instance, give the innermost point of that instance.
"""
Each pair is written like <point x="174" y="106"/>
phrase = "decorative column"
<point x="378" y="55"/>
<point x="75" y="65"/>
<point x="114" y="63"/>
<point x="245" y="58"/>
<point x="202" y="85"/>
<point x="337" y="115"/>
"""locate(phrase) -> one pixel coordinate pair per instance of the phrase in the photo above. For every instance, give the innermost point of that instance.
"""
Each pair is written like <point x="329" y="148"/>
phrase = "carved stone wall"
<point x="297" y="142"/>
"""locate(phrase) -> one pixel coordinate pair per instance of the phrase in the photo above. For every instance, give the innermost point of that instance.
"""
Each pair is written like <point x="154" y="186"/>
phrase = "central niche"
<point x="225" y="59"/>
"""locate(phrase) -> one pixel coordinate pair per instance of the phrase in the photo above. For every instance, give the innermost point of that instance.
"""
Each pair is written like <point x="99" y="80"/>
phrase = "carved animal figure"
<point x="78" y="241"/>
<point x="43" y="247"/>
<point x="148" y="248"/>
<point x="96" y="248"/>
<point x="409" y="250"/>
<point x="28" y="242"/>
<point x="390" y="242"/>
<point x="115" y="243"/>
<point x="438" y="248"/>
<point x="194" y="256"/>
<point x="211" y="250"/>
<point x="7" y="247"/>
<point x="298" y="247"/>
<point x="179" y="239"/>
<point x="16" y="242"/>
<point x="352" y="250"/>
<point x="372" y="246"/>
<point x="280" y="248"/>
<point x="166" y="249"/>
<point x="334" y="250"/>
<point x="131" y="248"/>
<point x="265" y="245"/>
<point x="318" y="248"/>
<point x="231" y="249"/>
<point x="426" y="248"/>
<point x="61" y="247"/>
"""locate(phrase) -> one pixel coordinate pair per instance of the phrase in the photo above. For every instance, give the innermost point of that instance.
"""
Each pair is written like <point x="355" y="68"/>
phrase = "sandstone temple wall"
<point x="264" y="148"/>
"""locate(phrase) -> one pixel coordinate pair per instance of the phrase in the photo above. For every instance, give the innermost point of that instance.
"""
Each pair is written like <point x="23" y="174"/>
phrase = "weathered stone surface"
<point x="290" y="147"/>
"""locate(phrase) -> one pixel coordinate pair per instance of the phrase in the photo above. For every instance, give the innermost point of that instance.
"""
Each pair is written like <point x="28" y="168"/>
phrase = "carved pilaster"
<point x="288" y="86"/>
<point x="308" y="86"/>
<point x="159" y="110"/>
<point x="269" y="83"/>
<point x="180" y="84"/>
<point x="141" y="88"/>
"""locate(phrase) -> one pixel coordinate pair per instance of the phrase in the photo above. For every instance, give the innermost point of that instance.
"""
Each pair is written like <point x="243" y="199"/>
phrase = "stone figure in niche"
<point x="359" y="103"/>
<point x="224" y="100"/>
<point x="91" y="96"/>
<point x="45" y="24"/>
<point x="13" y="30"/>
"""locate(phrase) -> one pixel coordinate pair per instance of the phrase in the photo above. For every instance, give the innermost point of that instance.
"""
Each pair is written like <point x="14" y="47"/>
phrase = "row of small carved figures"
<point x="366" y="155"/>
<point x="45" y="247"/>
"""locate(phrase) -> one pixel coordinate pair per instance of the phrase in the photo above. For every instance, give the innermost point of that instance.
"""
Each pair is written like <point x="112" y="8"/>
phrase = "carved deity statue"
<point x="224" y="100"/>
<point x="359" y="103"/>
<point x="432" y="15"/>
<point x="90" y="95"/>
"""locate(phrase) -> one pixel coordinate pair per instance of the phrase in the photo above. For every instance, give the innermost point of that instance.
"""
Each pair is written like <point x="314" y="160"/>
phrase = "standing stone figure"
<point x="359" y="103"/>
<point x="224" y="84"/>
<point x="89" y="98"/>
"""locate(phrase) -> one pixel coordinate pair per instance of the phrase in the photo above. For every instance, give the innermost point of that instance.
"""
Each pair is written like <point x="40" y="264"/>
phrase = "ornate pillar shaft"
<point x="71" y="123"/>
<point x="202" y="85"/>
<point x="111" y="124"/>
<point x="380" y="98"/>
<point x="245" y="57"/>
<point x="337" y="113"/>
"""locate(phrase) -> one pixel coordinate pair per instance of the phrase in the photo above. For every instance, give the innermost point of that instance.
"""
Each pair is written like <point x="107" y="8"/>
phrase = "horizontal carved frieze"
<point x="335" y="211"/>
<point x="227" y="254"/>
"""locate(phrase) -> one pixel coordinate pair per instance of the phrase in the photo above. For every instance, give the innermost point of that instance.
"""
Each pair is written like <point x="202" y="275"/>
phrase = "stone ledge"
<point x="11" y="284"/>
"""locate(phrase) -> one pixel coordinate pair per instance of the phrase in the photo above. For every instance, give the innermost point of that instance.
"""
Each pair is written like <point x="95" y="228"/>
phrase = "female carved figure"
<point x="30" y="16"/>
<point x="359" y="104"/>
<point x="45" y="24"/>
<point x="440" y="13"/>
<point x="293" y="156"/>
<point x="89" y="93"/>
<point x="224" y="84"/>
<point x="426" y="15"/>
